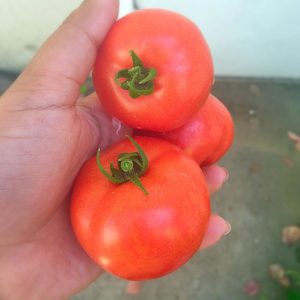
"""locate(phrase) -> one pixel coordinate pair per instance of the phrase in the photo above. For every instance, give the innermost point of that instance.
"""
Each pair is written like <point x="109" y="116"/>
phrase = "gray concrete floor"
<point x="261" y="196"/>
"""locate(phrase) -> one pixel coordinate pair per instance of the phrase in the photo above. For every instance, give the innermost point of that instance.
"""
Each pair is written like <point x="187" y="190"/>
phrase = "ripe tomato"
<point x="173" y="71"/>
<point x="137" y="236"/>
<point x="206" y="136"/>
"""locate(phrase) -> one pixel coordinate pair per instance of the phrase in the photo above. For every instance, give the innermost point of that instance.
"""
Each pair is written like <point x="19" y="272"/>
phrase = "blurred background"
<point x="256" y="51"/>
<point x="247" y="38"/>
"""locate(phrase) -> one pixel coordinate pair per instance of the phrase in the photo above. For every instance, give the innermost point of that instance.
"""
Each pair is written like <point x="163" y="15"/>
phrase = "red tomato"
<point x="206" y="136"/>
<point x="171" y="45"/>
<point x="137" y="236"/>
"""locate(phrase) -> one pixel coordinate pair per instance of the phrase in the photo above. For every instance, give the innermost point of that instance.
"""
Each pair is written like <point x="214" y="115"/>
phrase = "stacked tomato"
<point x="141" y="208"/>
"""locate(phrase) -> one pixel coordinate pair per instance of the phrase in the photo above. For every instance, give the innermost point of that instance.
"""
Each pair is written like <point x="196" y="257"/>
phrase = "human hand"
<point x="46" y="134"/>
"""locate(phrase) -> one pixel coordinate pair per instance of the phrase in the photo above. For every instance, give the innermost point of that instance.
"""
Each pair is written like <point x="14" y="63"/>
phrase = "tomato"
<point x="136" y="235"/>
<point x="164" y="81"/>
<point x="206" y="136"/>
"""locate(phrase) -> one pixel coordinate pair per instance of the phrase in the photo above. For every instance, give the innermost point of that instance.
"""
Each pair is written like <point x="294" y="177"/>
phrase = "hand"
<point x="46" y="134"/>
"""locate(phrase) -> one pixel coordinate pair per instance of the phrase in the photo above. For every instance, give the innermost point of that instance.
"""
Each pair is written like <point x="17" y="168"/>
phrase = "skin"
<point x="176" y="49"/>
<point x="46" y="134"/>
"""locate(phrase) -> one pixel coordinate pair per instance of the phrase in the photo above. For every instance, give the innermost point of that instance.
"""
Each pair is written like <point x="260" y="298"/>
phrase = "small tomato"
<point x="137" y="235"/>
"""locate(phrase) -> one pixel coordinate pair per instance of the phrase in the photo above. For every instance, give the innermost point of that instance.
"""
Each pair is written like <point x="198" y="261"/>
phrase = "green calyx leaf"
<point x="294" y="275"/>
<point x="130" y="166"/>
<point x="138" y="80"/>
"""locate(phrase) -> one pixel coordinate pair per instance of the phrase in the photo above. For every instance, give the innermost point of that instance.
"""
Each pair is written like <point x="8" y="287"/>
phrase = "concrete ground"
<point x="261" y="196"/>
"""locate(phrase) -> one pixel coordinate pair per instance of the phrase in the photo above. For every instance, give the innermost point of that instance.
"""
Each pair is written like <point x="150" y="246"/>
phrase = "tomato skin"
<point x="140" y="237"/>
<point x="207" y="136"/>
<point x="171" y="44"/>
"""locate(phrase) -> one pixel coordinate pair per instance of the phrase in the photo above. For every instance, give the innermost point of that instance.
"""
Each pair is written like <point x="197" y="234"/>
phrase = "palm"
<point x="58" y="148"/>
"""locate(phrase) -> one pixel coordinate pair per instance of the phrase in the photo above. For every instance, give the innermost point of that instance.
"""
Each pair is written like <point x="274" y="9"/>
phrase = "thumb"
<point x="54" y="76"/>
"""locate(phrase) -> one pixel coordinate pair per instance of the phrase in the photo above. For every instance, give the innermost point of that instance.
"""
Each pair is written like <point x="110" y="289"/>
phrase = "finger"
<point x="215" y="176"/>
<point x="106" y="129"/>
<point x="217" y="228"/>
<point x="133" y="287"/>
<point x="62" y="64"/>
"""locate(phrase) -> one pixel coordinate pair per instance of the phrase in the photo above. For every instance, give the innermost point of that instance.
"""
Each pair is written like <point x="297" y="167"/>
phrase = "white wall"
<point x="247" y="37"/>
<point x="25" y="24"/>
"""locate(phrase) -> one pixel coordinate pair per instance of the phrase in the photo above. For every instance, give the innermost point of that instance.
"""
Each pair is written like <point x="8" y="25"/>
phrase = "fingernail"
<point x="226" y="174"/>
<point x="228" y="229"/>
<point x="133" y="287"/>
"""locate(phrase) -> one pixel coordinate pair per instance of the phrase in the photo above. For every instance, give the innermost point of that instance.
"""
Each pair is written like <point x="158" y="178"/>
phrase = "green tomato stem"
<point x="138" y="80"/>
<point x="130" y="167"/>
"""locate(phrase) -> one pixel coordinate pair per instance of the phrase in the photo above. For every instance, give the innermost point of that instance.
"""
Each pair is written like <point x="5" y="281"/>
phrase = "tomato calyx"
<point x="130" y="167"/>
<point x="138" y="80"/>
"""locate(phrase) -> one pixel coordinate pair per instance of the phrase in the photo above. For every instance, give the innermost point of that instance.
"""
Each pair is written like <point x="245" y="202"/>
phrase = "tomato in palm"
<point x="206" y="136"/>
<point x="154" y="70"/>
<point x="141" y="233"/>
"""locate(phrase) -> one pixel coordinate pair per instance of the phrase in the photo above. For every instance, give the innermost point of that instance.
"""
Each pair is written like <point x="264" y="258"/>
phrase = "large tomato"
<point x="164" y="81"/>
<point x="206" y="136"/>
<point x="137" y="236"/>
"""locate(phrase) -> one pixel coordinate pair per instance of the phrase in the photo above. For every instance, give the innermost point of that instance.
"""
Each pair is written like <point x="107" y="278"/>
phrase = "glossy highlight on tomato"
<point x="165" y="49"/>
<point x="140" y="236"/>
